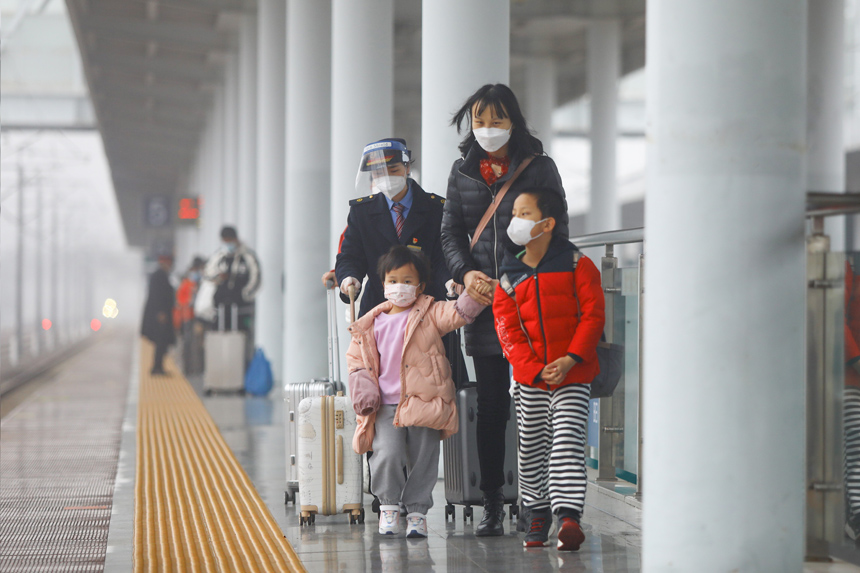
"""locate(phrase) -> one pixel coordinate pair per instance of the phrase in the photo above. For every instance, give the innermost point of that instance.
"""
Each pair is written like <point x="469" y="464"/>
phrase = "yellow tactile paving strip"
<point x="194" y="507"/>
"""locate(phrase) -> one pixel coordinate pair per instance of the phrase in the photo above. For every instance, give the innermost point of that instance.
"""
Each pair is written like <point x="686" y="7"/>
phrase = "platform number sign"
<point x="157" y="211"/>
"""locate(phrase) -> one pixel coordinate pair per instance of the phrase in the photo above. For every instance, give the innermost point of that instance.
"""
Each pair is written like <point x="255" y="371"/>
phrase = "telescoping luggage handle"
<point x="234" y="315"/>
<point x="333" y="344"/>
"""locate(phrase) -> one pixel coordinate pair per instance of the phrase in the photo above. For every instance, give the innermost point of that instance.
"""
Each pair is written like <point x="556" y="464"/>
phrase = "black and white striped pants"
<point x="851" y="424"/>
<point x="552" y="445"/>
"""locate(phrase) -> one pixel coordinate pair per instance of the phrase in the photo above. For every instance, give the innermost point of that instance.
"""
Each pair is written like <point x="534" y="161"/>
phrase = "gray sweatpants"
<point x="395" y="448"/>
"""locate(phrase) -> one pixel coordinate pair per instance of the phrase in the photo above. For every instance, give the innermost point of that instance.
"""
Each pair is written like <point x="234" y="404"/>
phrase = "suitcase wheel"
<point x="307" y="518"/>
<point x="449" y="512"/>
<point x="468" y="514"/>
<point x="361" y="516"/>
<point x="356" y="516"/>
<point x="515" y="510"/>
<point x="290" y="496"/>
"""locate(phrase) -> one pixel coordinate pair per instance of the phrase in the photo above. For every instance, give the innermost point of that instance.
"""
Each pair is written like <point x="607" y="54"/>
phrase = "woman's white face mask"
<point x="520" y="230"/>
<point x="492" y="138"/>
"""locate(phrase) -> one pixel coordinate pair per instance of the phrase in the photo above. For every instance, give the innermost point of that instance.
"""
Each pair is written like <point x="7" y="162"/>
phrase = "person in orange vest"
<point x="183" y="312"/>
<point x="191" y="330"/>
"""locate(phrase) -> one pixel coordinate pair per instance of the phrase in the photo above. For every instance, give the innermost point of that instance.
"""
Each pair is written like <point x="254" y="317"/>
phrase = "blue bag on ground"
<point x="258" y="378"/>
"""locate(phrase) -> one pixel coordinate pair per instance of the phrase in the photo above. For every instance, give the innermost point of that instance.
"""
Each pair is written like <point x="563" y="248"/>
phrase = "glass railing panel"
<point x="630" y="293"/>
<point x="832" y="398"/>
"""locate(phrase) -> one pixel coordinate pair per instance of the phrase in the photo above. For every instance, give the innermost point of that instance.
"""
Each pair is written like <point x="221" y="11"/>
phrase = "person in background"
<point x="235" y="270"/>
<point x="184" y="311"/>
<point x="157" y="324"/>
<point x="190" y="330"/>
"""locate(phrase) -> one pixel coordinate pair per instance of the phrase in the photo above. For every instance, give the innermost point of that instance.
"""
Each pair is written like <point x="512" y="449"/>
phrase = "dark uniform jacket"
<point x="370" y="234"/>
<point x="160" y="300"/>
<point x="467" y="200"/>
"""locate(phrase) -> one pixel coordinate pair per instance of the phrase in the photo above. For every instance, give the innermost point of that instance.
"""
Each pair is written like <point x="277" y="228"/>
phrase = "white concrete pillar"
<point x="307" y="251"/>
<point x="362" y="93"/>
<point x="214" y="202"/>
<point x="604" y="70"/>
<point x="271" y="128"/>
<point x="451" y="71"/>
<point x="725" y="293"/>
<point x="247" y="157"/>
<point x="825" y="156"/>
<point x="362" y="102"/>
<point x="229" y="141"/>
<point x="540" y="98"/>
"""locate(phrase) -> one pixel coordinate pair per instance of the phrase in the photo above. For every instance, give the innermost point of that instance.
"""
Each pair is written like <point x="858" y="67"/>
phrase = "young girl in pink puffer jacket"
<point x="401" y="387"/>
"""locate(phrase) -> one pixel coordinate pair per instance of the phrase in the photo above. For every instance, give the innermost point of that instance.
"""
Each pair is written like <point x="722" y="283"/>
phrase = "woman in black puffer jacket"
<point x="497" y="143"/>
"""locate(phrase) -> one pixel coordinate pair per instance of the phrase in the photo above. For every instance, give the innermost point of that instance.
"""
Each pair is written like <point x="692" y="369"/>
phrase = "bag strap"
<point x="576" y="256"/>
<point x="495" y="203"/>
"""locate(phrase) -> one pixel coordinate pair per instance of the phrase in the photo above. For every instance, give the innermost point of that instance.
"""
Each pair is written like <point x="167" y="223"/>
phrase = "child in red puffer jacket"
<point x="549" y="314"/>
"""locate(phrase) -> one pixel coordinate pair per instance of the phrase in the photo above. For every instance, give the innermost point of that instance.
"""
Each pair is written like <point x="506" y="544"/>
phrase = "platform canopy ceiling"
<point x="153" y="67"/>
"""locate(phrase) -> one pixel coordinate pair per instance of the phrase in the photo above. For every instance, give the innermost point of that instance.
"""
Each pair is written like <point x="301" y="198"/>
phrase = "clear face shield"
<point x="383" y="169"/>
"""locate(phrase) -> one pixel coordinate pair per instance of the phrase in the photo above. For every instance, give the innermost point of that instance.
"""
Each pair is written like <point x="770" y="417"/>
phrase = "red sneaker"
<point x="570" y="535"/>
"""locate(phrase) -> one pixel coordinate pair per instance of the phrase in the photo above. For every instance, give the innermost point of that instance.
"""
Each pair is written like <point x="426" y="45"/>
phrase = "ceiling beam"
<point x="158" y="135"/>
<point x="179" y="34"/>
<point x="147" y="148"/>
<point x="213" y="5"/>
<point x="159" y="68"/>
<point x="105" y="91"/>
<point x="173" y="116"/>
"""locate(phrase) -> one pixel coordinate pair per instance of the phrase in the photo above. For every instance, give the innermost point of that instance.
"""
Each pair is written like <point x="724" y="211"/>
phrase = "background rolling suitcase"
<point x="295" y="392"/>
<point x="330" y="472"/>
<point x="224" y="357"/>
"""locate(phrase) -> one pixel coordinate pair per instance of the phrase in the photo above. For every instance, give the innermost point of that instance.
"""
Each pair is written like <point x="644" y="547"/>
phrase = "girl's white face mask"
<point x="492" y="138"/>
<point x="520" y="230"/>
<point x="400" y="294"/>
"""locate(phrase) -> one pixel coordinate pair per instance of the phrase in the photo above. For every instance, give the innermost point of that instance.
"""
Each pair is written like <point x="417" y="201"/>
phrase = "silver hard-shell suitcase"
<point x="224" y="357"/>
<point x="330" y="472"/>
<point x="295" y="392"/>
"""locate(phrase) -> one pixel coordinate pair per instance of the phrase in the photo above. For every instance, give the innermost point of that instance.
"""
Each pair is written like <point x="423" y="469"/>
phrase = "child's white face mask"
<point x="520" y="230"/>
<point x="400" y="294"/>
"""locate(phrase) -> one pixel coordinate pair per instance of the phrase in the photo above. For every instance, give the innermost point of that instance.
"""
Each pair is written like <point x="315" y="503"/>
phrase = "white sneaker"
<point x="416" y="525"/>
<point x="388" y="516"/>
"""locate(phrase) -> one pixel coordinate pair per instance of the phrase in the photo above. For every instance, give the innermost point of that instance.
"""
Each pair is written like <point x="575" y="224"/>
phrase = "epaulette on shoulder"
<point x="363" y="200"/>
<point x="436" y="198"/>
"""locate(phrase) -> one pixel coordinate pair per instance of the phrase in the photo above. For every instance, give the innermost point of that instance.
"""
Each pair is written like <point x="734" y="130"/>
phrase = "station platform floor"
<point x="104" y="468"/>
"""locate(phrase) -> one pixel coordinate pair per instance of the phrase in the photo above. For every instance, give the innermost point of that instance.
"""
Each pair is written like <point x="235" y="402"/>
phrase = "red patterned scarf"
<point x="487" y="168"/>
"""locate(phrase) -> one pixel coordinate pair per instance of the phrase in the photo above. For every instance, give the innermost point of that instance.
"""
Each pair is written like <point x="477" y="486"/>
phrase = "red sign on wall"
<point x="189" y="209"/>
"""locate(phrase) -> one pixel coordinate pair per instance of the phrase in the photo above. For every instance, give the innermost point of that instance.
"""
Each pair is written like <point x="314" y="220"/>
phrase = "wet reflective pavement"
<point x="254" y="428"/>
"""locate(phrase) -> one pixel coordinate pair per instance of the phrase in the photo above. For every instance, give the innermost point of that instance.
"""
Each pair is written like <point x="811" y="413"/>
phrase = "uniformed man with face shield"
<point x="392" y="209"/>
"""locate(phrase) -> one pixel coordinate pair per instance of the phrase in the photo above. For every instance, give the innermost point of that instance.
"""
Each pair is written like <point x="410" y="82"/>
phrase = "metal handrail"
<point x="621" y="237"/>
<point x="818" y="204"/>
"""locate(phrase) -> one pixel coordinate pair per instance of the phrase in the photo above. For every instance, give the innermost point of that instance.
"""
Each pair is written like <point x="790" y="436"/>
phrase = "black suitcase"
<point x="460" y="458"/>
